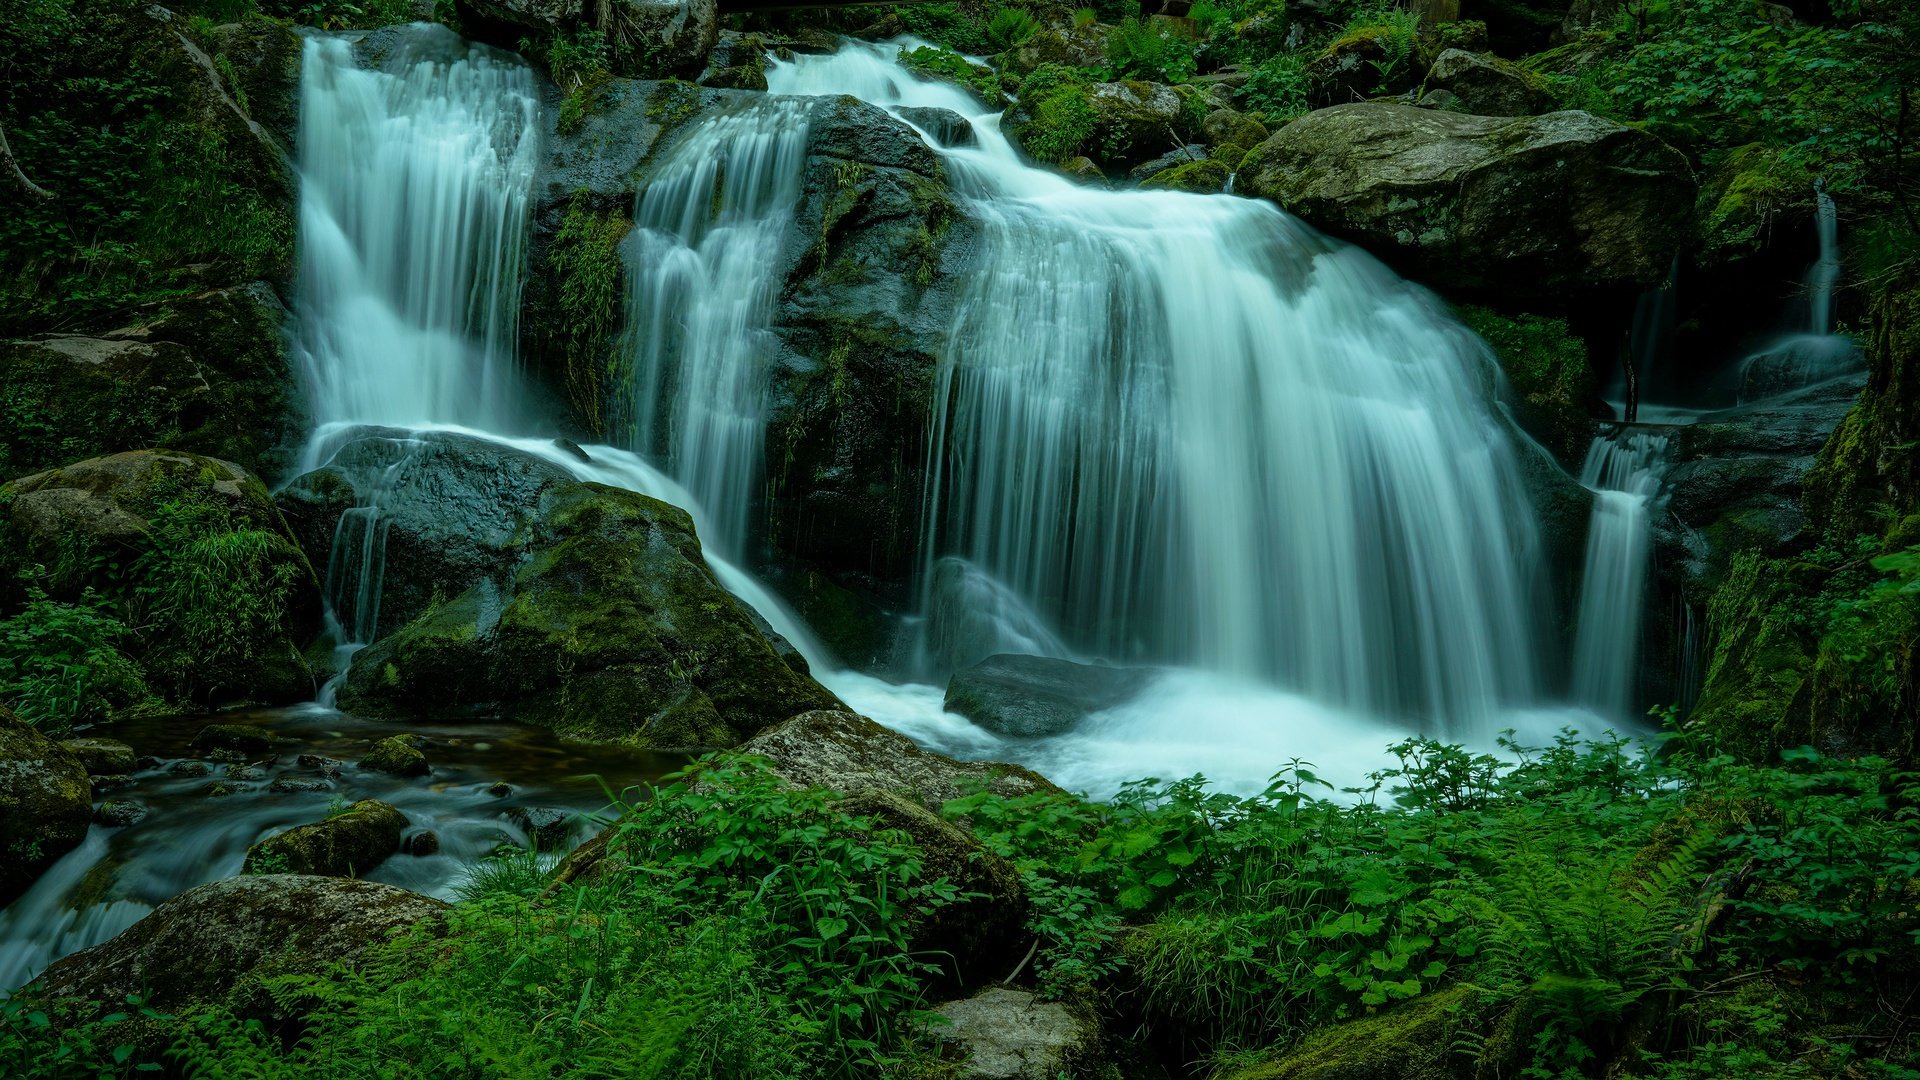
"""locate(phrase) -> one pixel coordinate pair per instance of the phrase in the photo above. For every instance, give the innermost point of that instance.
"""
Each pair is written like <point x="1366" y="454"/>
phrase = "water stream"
<point x="1624" y="469"/>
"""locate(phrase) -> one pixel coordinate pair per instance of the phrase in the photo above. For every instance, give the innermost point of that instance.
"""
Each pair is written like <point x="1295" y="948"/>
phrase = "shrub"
<point x="62" y="665"/>
<point x="1137" y="50"/>
<point x="1011" y="27"/>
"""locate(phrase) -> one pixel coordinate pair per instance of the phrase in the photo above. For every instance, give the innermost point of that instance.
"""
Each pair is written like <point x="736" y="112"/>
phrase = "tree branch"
<point x="12" y="166"/>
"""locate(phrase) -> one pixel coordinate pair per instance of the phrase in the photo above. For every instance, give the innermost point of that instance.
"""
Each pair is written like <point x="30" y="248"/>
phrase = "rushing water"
<point x="1624" y="470"/>
<point x="1810" y="353"/>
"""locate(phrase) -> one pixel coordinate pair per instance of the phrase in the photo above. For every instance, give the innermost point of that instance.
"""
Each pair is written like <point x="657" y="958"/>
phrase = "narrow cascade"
<point x="1811" y="353"/>
<point x="704" y="269"/>
<point x="413" y="218"/>
<point x="1826" y="269"/>
<point x="1624" y="470"/>
<point x="1188" y="429"/>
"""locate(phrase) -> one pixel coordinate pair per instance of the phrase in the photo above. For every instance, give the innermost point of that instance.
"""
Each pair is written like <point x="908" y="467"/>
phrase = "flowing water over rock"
<point x="1624" y="469"/>
<point x="1814" y="353"/>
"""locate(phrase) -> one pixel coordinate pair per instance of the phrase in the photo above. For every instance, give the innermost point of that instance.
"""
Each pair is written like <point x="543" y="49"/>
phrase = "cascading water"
<point x="1624" y="470"/>
<point x="1190" y="430"/>
<point x="703" y="269"/>
<point x="1813" y="353"/>
<point x="413" y="218"/>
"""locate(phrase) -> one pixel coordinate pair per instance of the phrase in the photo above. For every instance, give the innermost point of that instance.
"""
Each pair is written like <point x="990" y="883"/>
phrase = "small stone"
<point x="187" y="767"/>
<point x="102" y="757"/>
<point x="500" y="789"/>
<point x="220" y="789"/>
<point x="227" y="757"/>
<point x="549" y="828"/>
<point x="399" y="755"/>
<point x="119" y="813"/>
<point x="421" y="844"/>
<point x="343" y="845"/>
<point x="298" y="785"/>
<point x="245" y="738"/>
<point x="326" y="765"/>
<point x="244" y="772"/>
<point x="111" y="783"/>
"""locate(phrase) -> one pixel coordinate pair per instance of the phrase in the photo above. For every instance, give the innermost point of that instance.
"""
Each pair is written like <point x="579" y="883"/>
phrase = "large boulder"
<point x="347" y="844"/>
<point x="223" y="591"/>
<point x="849" y="753"/>
<point x="582" y="608"/>
<point x="1033" y="696"/>
<point x="218" y="943"/>
<point x="1006" y="1034"/>
<point x="1486" y="85"/>
<point x="1523" y="207"/>
<point x="207" y="373"/>
<point x="1115" y="124"/>
<point x="1068" y="46"/>
<point x="45" y="804"/>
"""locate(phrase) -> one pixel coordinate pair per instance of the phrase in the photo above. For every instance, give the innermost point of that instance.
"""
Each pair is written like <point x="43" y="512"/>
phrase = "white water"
<point x="1624" y="470"/>
<point x="1811" y="353"/>
<point x="1187" y="429"/>
<point x="414" y="186"/>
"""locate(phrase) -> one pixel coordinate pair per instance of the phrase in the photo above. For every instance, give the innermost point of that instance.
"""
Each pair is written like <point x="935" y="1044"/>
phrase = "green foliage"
<point x="1060" y="119"/>
<point x="944" y="24"/>
<point x="37" y="1042"/>
<point x="1278" y="88"/>
<point x="950" y="66"/>
<point x="1393" y="32"/>
<point x="1546" y="365"/>
<point x="1011" y="27"/>
<point x="1141" y="51"/>
<point x="62" y="665"/>
<point x="328" y="14"/>
<point x="585" y="259"/>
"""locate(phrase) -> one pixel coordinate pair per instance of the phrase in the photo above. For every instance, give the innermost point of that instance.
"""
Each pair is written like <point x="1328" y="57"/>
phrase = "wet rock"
<point x="421" y="844"/>
<point x="244" y="738"/>
<point x="399" y="755"/>
<point x="945" y="125"/>
<point x="849" y="753"/>
<point x="670" y="37"/>
<point x="1486" y="85"/>
<point x="1525" y="206"/>
<point x="220" y="789"/>
<point x="111" y="783"/>
<point x="1202" y="177"/>
<point x="110" y="510"/>
<point x="550" y="829"/>
<point x="345" y="845"/>
<point x="119" y="813"/>
<point x="326" y="766"/>
<point x="45" y="803"/>
<point x="500" y="789"/>
<point x="1033" y="696"/>
<point x="1115" y="124"/>
<point x="188" y="767"/>
<point x="1359" y="65"/>
<point x="1083" y="169"/>
<point x="1003" y="1034"/>
<point x="1227" y="126"/>
<point x="1184" y="155"/>
<point x="101" y="757"/>
<point x="299" y="785"/>
<point x="217" y="943"/>
<point x="208" y="374"/>
<point x="244" y="772"/>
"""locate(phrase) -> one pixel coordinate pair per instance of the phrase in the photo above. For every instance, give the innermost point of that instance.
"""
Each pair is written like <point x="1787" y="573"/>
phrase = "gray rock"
<point x="299" y="785"/>
<point x="1172" y="159"/>
<point x="45" y="804"/>
<point x="102" y="757"/>
<point x="1526" y="206"/>
<point x="119" y="813"/>
<point x="1486" y="85"/>
<point x="398" y="755"/>
<point x="1003" y="1034"/>
<point x="847" y="753"/>
<point x="668" y="37"/>
<point x="945" y="125"/>
<point x="1033" y="696"/>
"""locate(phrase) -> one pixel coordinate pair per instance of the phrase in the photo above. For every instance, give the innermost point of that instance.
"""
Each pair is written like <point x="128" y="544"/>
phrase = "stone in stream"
<point x="244" y="738"/>
<point x="1036" y="696"/>
<point x="345" y="845"/>
<point x="45" y="804"/>
<point x="189" y="767"/>
<point x="326" y="766"/>
<point x="102" y="757"/>
<point x="399" y="755"/>
<point x="118" y="813"/>
<point x="549" y="828"/>
<point x="299" y="785"/>
<point x="945" y="125"/>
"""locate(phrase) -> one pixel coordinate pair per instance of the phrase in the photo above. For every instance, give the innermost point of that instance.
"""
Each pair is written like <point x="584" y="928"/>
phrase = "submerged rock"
<point x="1525" y="207"/>
<point x="847" y="753"/>
<point x="1033" y="696"/>
<point x="348" y="844"/>
<point x="1006" y="1034"/>
<point x="45" y="803"/>
<point x="216" y="944"/>
<point x="245" y="738"/>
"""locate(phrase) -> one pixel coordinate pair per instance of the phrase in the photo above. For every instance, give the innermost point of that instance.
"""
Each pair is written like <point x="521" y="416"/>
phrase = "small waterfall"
<point x="413" y="217"/>
<point x="1186" y="428"/>
<point x="1826" y="269"/>
<point x="1624" y="470"/>
<point x="1813" y="353"/>
<point x="704" y="269"/>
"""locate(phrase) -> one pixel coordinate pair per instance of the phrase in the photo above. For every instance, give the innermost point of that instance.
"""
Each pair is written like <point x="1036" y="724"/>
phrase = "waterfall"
<point x="703" y="267"/>
<point x="414" y="183"/>
<point x="1811" y="353"/>
<point x="1188" y="429"/>
<point x="1624" y="469"/>
<point x="1826" y="269"/>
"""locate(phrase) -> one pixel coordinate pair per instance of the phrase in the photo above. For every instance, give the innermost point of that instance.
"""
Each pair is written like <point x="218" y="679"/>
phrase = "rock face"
<point x="582" y="608"/>
<point x="1525" y="207"/>
<point x="225" y="591"/>
<point x="1002" y="1034"/>
<point x="345" y="845"/>
<point x="651" y="39"/>
<point x="207" y="373"/>
<point x="216" y="943"/>
<point x="45" y="804"/>
<point x="1032" y="696"/>
<point x="845" y="752"/>
<point x="1485" y="85"/>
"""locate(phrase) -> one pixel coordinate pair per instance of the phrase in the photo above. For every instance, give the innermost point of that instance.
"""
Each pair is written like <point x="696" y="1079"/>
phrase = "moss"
<point x="344" y="845"/>
<point x="1546" y="365"/>
<point x="588" y="272"/>
<point x="945" y="65"/>
<point x="1752" y="696"/>
<point x="1201" y="176"/>
<point x="1055" y="118"/>
<point x="1867" y="478"/>
<point x="1745" y="190"/>
<point x="398" y="755"/>
<point x="1411" y="1041"/>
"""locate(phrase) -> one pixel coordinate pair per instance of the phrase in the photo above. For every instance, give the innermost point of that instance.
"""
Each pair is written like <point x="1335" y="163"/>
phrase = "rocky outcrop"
<point x="1486" y="85"/>
<point x="521" y="593"/>
<point x="1115" y="124"/>
<point x="218" y="943"/>
<point x="1034" y="696"/>
<point x="347" y="844"/>
<point x="207" y="373"/>
<point x="847" y="753"/>
<point x="224" y="591"/>
<point x="45" y="804"/>
<point x="649" y="39"/>
<point x="1527" y="207"/>
<point x="1006" y="1034"/>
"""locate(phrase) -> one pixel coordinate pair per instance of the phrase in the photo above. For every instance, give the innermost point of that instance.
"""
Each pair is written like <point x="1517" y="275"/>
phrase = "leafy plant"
<point x="1011" y="27"/>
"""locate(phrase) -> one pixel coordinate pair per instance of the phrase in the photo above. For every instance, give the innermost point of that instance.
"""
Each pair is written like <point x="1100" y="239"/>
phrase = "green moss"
<point x="1546" y="365"/>
<point x="1413" y="1041"/>
<point x="585" y="263"/>
<point x="1745" y="189"/>
<point x="949" y="66"/>
<point x="1055" y="118"/>
<point x="1201" y="176"/>
<point x="344" y="845"/>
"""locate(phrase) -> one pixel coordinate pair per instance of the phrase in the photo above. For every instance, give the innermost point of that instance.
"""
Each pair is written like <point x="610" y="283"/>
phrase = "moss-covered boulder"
<point x="208" y="373"/>
<point x="1522" y="207"/>
<point x="847" y="752"/>
<point x="1868" y="475"/>
<point x="217" y="944"/>
<point x="1486" y="85"/>
<point x="1547" y="370"/>
<point x="345" y="845"/>
<point x="515" y="591"/>
<point x="45" y="804"/>
<point x="101" y="757"/>
<point x="1411" y="1041"/>
<point x="193" y="549"/>
<point x="1747" y="195"/>
<point x="398" y="755"/>
<point x="1067" y="45"/>
<point x="1062" y="115"/>
<point x="1366" y="61"/>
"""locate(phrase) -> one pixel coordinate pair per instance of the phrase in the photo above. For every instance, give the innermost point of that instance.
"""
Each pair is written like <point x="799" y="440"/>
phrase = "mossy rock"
<point x="1868" y="475"/>
<point x="847" y="752"/>
<point x="1745" y="192"/>
<point x="243" y="738"/>
<point x="1410" y="1041"/>
<point x="398" y="755"/>
<point x="1197" y="176"/>
<point x="1546" y="365"/>
<point x="345" y="845"/>
<point x="1756" y="697"/>
<point x="45" y="804"/>
<point x="101" y="757"/>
